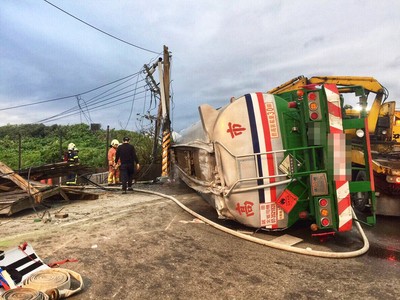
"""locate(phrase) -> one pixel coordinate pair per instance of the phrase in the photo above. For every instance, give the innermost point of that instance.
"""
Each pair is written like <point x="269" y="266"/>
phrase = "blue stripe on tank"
<point x="256" y="143"/>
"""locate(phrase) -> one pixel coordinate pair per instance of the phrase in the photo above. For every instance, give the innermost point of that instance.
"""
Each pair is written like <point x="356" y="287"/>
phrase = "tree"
<point x="40" y="144"/>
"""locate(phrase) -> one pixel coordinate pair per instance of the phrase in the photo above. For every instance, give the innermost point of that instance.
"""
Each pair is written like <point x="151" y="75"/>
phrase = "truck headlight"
<point x="393" y="179"/>
<point x="360" y="133"/>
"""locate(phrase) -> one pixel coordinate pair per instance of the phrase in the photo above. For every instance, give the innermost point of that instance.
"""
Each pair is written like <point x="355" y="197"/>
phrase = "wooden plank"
<point x="10" y="197"/>
<point x="5" y="188"/>
<point x="17" y="205"/>
<point x="8" y="173"/>
<point x="53" y="170"/>
<point x="18" y="194"/>
<point x="18" y="200"/>
<point x="15" y="201"/>
<point x="64" y="195"/>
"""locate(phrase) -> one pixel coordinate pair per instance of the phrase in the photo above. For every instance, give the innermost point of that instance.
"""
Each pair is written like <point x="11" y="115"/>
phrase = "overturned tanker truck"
<point x="268" y="161"/>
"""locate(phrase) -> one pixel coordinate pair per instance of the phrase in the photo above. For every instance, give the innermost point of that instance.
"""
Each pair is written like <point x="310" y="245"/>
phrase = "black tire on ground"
<point x="360" y="200"/>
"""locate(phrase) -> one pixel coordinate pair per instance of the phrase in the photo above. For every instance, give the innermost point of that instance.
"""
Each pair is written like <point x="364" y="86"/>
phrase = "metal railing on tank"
<point x="302" y="162"/>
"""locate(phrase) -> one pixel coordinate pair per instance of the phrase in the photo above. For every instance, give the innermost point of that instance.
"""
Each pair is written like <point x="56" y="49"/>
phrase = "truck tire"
<point x="360" y="200"/>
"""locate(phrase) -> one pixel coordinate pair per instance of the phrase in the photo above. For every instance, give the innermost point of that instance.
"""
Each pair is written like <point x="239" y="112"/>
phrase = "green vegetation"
<point x="42" y="144"/>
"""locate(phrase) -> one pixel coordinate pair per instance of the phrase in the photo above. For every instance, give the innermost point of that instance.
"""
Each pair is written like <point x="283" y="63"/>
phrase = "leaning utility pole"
<point x="155" y="89"/>
<point x="165" y="104"/>
<point x="163" y="116"/>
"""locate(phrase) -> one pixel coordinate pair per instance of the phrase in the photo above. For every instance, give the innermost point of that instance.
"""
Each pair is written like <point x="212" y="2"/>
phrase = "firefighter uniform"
<point x="113" y="167"/>
<point x="72" y="158"/>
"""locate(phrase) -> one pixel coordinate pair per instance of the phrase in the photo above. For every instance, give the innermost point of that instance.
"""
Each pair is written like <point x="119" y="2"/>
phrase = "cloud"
<point x="219" y="49"/>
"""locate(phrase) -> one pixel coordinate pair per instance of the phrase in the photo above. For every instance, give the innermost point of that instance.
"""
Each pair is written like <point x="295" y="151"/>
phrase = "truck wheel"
<point x="359" y="200"/>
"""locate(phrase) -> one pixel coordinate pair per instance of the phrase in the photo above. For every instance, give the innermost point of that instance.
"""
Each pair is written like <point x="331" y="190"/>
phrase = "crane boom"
<point x="369" y="84"/>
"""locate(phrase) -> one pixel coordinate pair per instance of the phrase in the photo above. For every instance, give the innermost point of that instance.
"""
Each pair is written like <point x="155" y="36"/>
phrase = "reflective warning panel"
<point x="287" y="200"/>
<point x="319" y="184"/>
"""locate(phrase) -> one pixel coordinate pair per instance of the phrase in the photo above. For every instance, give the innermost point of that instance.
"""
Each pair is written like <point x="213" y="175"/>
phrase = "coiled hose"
<point x="48" y="284"/>
<point x="24" y="293"/>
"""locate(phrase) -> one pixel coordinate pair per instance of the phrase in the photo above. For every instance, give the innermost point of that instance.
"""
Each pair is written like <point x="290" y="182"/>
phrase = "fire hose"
<point x="273" y="244"/>
<point x="48" y="284"/>
<point x="24" y="293"/>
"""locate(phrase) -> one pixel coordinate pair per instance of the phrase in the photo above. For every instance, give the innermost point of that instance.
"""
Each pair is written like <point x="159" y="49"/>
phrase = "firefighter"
<point x="72" y="157"/>
<point x="113" y="167"/>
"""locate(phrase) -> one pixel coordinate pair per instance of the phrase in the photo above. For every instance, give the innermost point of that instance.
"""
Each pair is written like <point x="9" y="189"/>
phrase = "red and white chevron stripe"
<point x="344" y="205"/>
<point x="338" y="141"/>
<point x="335" y="113"/>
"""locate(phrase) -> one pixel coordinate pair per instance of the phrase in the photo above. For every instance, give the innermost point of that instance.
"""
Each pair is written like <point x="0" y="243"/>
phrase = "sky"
<point x="219" y="49"/>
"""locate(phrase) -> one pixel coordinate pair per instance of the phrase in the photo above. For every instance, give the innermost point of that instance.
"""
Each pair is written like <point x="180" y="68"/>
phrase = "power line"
<point x="111" y="98"/>
<point x="116" y="94"/>
<point x="133" y="101"/>
<point x="91" y="103"/>
<point x="95" y="108"/>
<point x="66" y="97"/>
<point x="104" y="95"/>
<point x="102" y="31"/>
<point x="76" y="109"/>
<point x="39" y="102"/>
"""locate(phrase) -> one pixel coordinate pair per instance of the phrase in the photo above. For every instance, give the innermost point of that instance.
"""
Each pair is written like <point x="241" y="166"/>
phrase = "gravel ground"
<point x="143" y="246"/>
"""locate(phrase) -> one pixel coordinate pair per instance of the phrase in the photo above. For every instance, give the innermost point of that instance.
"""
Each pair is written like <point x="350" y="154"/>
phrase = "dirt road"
<point x="143" y="246"/>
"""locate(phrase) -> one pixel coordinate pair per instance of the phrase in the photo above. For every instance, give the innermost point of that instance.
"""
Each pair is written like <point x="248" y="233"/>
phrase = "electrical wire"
<point x="104" y="97"/>
<point x="95" y="108"/>
<point x="81" y="110"/>
<point x="66" y="97"/>
<point x="102" y="31"/>
<point x="92" y="101"/>
<point x="111" y="97"/>
<point x="133" y="101"/>
<point x="100" y="104"/>
<point x="101" y="94"/>
<point x="116" y="91"/>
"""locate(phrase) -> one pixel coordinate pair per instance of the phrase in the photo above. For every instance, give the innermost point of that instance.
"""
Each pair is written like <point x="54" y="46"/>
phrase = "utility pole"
<point x="167" y="86"/>
<point x="166" y="139"/>
<point x="155" y="89"/>
<point x="19" y="151"/>
<point x="163" y="116"/>
<point x="107" y="143"/>
<point x="60" y="138"/>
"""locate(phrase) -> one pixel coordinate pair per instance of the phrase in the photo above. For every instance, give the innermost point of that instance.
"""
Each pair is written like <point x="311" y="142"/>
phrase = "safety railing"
<point x="307" y="156"/>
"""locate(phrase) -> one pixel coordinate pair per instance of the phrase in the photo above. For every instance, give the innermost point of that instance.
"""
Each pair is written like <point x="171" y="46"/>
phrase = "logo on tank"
<point x="246" y="208"/>
<point x="235" y="129"/>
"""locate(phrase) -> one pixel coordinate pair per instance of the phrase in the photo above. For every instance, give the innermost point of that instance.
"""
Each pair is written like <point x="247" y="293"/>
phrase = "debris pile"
<point x="18" y="193"/>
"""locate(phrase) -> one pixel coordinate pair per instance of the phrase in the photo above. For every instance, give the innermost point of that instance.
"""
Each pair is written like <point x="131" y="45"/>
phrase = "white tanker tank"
<point x="267" y="160"/>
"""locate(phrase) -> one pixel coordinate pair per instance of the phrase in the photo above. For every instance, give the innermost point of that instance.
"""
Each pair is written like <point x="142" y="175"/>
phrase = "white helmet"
<point x="114" y="143"/>
<point x="71" y="146"/>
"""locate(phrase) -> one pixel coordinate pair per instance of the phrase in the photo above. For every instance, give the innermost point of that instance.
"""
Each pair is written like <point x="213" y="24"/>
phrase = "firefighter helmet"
<point x="114" y="143"/>
<point x="71" y="146"/>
